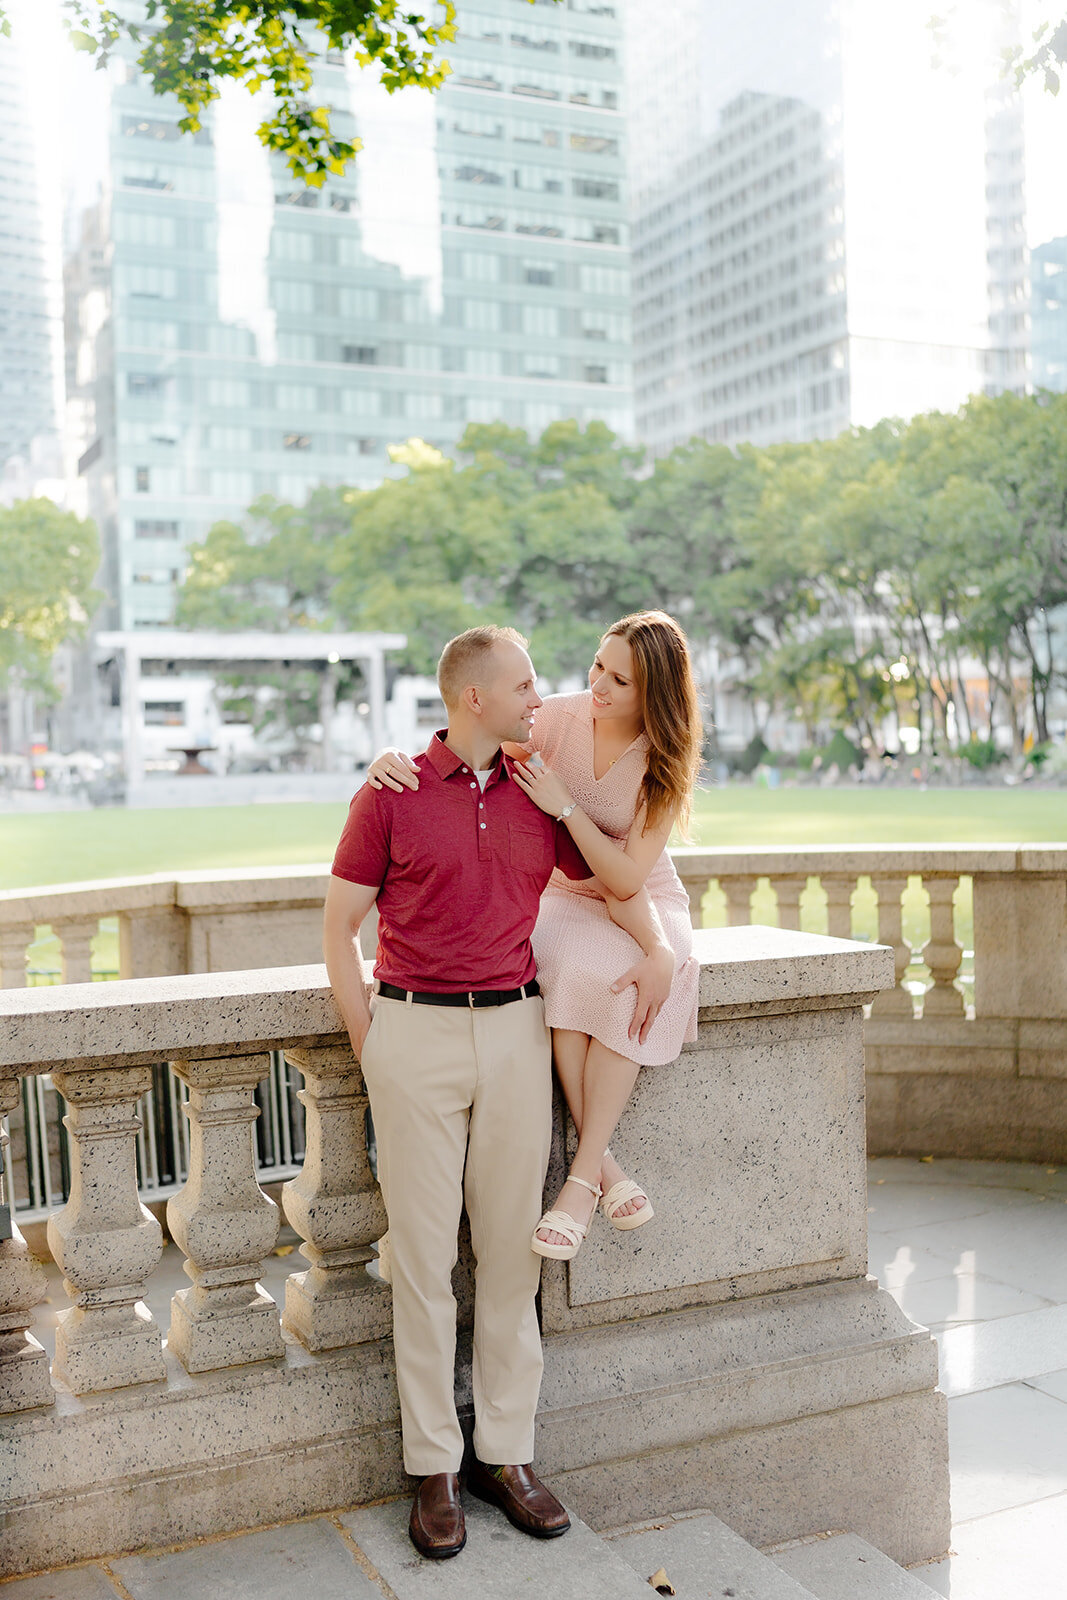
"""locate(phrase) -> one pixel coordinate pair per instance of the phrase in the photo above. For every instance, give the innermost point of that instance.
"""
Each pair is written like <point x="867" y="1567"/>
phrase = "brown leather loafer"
<point x="522" y="1497"/>
<point x="437" y="1528"/>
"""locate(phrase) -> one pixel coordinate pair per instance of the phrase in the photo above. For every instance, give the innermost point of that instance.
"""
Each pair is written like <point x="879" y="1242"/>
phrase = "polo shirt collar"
<point x="446" y="763"/>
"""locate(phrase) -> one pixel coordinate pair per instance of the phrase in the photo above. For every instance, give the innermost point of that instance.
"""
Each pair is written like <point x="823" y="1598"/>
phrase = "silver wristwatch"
<point x="565" y="813"/>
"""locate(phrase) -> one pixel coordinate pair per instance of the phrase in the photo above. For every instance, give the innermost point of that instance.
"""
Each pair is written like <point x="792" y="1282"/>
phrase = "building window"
<point x="484" y="363"/>
<point x="604" y="280"/>
<point x="596" y="374"/>
<point x="483" y="315"/>
<point x="141" y="480"/>
<point x="229" y="392"/>
<point x="294" y="295"/>
<point x="148" y="283"/>
<point x="145" y="384"/>
<point x="468" y="172"/>
<point x="540" y="272"/>
<point x="361" y="402"/>
<point x="596" y="189"/>
<point x="541" y="365"/>
<point x="362" y="355"/>
<point x="595" y="144"/>
<point x="524" y="131"/>
<point x="155" y="128"/>
<point x="480" y="266"/>
<point x="359" y="303"/>
<point x="164" y="713"/>
<point x="591" y="48"/>
<point x="296" y="441"/>
<point x="154" y="528"/>
<point x="541" y="322"/>
<point x="296" y="397"/>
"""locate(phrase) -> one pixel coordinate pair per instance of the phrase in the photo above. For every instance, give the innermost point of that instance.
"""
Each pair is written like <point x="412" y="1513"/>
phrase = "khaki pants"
<point x="462" y="1104"/>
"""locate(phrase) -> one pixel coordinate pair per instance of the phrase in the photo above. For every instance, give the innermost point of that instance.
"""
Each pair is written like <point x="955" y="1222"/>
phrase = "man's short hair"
<point x="463" y="658"/>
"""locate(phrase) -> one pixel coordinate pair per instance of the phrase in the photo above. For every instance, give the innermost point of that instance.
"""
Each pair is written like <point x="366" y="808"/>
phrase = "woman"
<point x="619" y="765"/>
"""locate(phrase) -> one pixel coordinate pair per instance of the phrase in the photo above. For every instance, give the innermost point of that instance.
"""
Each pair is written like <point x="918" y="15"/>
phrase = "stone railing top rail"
<point x="854" y="859"/>
<point x="250" y="886"/>
<point x="135" y="1020"/>
<point x="103" y="897"/>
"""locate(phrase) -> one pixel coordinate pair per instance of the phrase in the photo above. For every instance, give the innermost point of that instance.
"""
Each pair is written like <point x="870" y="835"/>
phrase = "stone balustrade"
<point x="966" y="1053"/>
<point x="738" y="1338"/>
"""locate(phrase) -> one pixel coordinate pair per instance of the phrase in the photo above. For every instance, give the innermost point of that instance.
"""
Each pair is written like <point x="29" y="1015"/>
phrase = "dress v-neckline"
<point x="616" y="759"/>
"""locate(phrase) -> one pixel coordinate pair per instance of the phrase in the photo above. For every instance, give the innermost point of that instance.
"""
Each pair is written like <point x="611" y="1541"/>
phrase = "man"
<point x="457" y="1061"/>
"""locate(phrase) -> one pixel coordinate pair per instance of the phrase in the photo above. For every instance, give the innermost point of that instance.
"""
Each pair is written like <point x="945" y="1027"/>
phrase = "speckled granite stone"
<point x="731" y="1354"/>
<point x="104" y="1239"/>
<point x="224" y="1223"/>
<point x="167" y="1019"/>
<point x="337" y="1209"/>
<point x="752" y="1148"/>
<point x="24" y="1380"/>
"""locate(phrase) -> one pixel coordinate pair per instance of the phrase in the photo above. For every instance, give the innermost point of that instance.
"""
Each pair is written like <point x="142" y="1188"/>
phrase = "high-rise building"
<point x="828" y="221"/>
<point x="28" y="410"/>
<point x="233" y="333"/>
<point x="1048" y="314"/>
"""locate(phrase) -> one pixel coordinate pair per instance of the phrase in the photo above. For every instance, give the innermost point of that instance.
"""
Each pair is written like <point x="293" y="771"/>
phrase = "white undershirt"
<point x="483" y="777"/>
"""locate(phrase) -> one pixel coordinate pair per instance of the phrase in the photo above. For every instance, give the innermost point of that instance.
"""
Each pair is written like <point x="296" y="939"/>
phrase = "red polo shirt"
<point x="459" y="874"/>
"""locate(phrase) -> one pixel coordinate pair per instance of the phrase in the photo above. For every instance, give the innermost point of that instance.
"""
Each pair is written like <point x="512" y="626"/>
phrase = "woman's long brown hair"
<point x="663" y="673"/>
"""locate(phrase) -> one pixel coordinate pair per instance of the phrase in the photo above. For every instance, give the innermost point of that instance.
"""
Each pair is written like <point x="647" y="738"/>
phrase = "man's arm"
<point x="652" y="976"/>
<point x="346" y="906"/>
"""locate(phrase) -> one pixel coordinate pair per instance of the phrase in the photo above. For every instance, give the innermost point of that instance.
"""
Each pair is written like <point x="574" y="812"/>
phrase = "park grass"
<point x="77" y="846"/>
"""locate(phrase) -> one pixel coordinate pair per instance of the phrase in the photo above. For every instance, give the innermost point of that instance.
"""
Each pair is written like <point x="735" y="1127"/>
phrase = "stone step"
<point x="842" y="1566"/>
<point x="498" y="1563"/>
<point x="701" y="1556"/>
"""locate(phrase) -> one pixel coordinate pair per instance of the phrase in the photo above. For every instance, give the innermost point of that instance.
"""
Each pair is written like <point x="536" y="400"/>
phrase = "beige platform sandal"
<point x="617" y="1196"/>
<point x="563" y="1222"/>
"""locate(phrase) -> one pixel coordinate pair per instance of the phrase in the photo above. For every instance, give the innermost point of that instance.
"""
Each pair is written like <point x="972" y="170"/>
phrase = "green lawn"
<point x="68" y="847"/>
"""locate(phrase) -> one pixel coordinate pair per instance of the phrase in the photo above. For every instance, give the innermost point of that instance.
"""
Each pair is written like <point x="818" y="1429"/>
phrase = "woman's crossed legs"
<point x="597" y="1083"/>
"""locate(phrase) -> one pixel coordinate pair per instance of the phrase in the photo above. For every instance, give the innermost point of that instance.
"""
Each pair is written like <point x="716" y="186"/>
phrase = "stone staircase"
<point x="366" y="1555"/>
<point x="695" y="1556"/>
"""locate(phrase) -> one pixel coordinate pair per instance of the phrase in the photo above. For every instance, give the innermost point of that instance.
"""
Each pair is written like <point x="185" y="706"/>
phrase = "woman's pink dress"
<point x="579" y="950"/>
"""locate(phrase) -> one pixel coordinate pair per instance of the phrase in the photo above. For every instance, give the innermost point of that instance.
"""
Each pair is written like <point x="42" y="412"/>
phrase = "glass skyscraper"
<point x="828" y="220"/>
<point x="27" y="376"/>
<point x="232" y="333"/>
<point x="1048" y="270"/>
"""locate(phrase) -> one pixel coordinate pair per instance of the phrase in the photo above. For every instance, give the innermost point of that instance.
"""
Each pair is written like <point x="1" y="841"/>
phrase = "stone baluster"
<point x="223" y="1222"/>
<point x="24" y="1380"/>
<point x="895" y="1002"/>
<point x="104" y="1239"/>
<point x="696" y="888"/>
<point x="789" y="891"/>
<point x="15" y="940"/>
<point x="941" y="952"/>
<point x="838" y="905"/>
<point x="76" y="935"/>
<point x="336" y="1207"/>
<point x="738" y="892"/>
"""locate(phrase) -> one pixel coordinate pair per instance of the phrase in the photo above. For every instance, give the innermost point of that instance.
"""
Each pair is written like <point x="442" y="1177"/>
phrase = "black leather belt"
<point x="476" y="999"/>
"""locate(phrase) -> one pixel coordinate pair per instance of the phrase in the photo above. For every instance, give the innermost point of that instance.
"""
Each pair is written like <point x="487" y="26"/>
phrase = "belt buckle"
<point x="470" y="1000"/>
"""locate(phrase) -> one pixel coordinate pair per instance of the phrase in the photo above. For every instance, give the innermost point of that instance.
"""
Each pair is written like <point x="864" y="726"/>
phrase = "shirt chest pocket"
<point x="530" y="849"/>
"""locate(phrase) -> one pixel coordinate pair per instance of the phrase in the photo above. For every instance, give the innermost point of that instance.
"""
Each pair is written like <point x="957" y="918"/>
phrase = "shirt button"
<point x="481" y="805"/>
<point x="473" y="784"/>
<point x="481" y="824"/>
<point x="464" y="769"/>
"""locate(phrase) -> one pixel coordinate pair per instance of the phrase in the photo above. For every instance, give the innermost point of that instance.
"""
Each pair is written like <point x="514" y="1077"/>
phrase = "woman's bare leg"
<point x="606" y="1085"/>
<point x="569" y="1050"/>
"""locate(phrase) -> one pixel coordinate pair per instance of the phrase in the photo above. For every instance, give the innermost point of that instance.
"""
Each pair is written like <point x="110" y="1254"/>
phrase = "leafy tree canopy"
<point x="47" y="561"/>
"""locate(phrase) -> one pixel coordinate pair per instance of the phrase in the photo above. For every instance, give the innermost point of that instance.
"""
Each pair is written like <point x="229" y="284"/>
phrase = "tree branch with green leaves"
<point x="190" y="48"/>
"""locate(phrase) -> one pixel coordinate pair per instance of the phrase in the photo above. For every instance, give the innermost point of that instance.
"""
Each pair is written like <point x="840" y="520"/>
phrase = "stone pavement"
<point x="976" y="1251"/>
